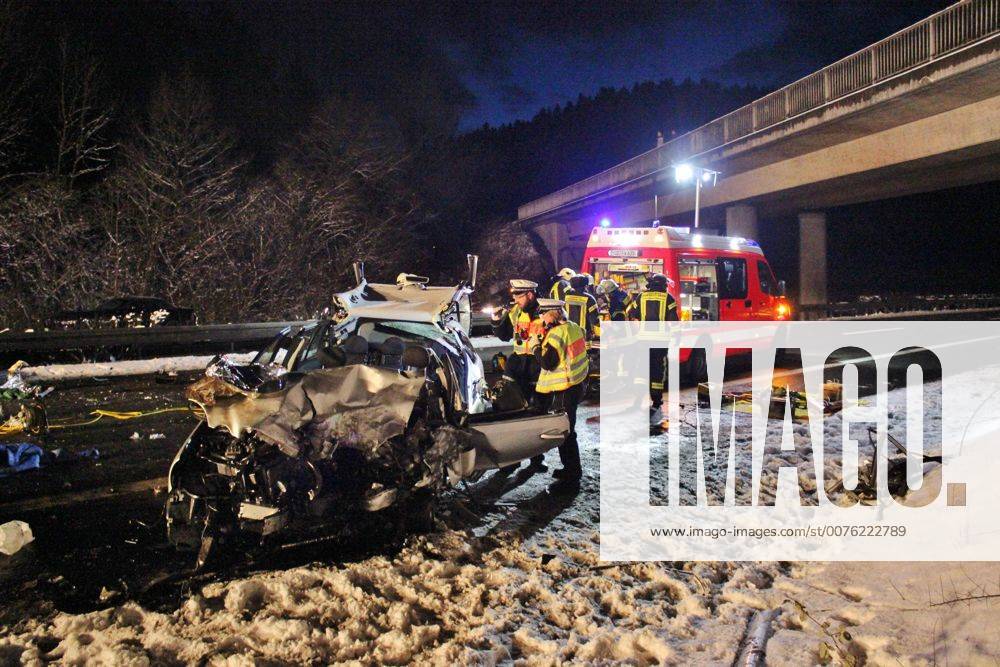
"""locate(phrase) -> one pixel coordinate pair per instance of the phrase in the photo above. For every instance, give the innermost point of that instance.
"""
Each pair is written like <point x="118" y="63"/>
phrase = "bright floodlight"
<point x="706" y="176"/>
<point x="683" y="173"/>
<point x="605" y="222"/>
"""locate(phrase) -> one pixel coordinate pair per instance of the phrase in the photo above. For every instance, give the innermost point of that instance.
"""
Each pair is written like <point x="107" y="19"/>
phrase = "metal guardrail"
<point x="189" y="339"/>
<point x="233" y="335"/>
<point x="932" y="307"/>
<point x="961" y="25"/>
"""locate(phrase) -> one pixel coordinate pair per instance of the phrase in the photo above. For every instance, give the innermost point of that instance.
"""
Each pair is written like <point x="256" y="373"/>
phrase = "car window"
<point x="732" y="276"/>
<point x="377" y="332"/>
<point x="308" y="359"/>
<point x="767" y="283"/>
<point x="278" y="351"/>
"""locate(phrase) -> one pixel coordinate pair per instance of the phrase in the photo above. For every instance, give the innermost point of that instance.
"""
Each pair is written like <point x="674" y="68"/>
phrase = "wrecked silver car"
<point x="384" y="400"/>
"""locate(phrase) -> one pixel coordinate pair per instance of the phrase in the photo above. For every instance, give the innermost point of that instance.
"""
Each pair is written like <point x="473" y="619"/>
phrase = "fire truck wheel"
<point x="695" y="369"/>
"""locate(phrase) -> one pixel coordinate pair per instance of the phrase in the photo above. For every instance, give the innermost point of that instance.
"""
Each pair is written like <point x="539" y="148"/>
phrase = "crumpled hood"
<point x="361" y="405"/>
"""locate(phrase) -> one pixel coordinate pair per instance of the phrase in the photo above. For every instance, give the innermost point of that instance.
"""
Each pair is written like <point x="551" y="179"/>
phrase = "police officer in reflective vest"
<point x="562" y="355"/>
<point x="581" y="306"/>
<point x="521" y="324"/>
<point x="655" y="304"/>
<point x="561" y="284"/>
<point x="518" y="324"/>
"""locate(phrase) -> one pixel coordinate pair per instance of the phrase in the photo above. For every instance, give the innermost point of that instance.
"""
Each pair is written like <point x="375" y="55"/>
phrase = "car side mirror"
<point x="781" y="288"/>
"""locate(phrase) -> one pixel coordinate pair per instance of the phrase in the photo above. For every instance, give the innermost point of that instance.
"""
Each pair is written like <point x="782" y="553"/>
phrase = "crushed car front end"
<point x="385" y="403"/>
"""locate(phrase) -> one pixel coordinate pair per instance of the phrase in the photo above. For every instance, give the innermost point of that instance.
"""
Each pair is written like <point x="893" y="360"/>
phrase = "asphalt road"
<point x="98" y="526"/>
<point x="99" y="532"/>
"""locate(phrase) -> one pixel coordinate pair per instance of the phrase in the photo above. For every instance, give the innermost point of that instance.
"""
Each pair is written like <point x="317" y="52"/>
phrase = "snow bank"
<point x="448" y="598"/>
<point x="486" y="346"/>
<point x="56" y="372"/>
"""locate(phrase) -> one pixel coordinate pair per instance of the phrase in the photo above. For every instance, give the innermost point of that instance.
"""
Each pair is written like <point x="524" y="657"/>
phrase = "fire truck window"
<point x="732" y="278"/>
<point x="766" y="278"/>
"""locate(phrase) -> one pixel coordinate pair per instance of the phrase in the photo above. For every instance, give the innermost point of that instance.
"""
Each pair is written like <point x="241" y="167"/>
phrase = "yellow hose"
<point x="120" y="416"/>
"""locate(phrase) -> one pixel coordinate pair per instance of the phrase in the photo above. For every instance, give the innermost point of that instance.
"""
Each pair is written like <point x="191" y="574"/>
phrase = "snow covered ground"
<point x="519" y="581"/>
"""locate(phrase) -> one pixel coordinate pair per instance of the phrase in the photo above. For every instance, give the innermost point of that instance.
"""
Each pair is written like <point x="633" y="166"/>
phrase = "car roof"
<point x="410" y="303"/>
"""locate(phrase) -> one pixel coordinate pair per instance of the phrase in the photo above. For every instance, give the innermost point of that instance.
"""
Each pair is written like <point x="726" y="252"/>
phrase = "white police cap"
<point x="521" y="285"/>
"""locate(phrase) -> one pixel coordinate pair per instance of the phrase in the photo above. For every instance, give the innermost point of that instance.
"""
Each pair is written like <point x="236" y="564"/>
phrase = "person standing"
<point x="616" y="298"/>
<point x="562" y="355"/>
<point x="521" y="324"/>
<point x="581" y="306"/>
<point x="561" y="284"/>
<point x="655" y="304"/>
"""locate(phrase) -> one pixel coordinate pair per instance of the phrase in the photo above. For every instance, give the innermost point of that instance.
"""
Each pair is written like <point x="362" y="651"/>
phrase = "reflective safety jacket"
<point x="570" y="344"/>
<point x="582" y="311"/>
<point x="559" y="289"/>
<point x="618" y="301"/>
<point x="653" y="307"/>
<point x="519" y="326"/>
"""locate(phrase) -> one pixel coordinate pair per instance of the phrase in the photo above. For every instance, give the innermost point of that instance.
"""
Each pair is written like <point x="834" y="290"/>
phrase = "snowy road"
<point x="511" y="575"/>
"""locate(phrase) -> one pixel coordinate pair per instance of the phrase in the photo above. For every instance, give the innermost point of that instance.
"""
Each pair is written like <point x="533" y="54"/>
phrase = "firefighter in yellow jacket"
<point x="655" y="304"/>
<point x="561" y="284"/>
<point x="562" y="355"/>
<point x="581" y="306"/>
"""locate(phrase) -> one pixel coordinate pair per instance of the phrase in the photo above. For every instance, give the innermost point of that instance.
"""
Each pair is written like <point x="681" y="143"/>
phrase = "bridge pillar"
<point x="741" y="221"/>
<point x="553" y="235"/>
<point x="812" y="257"/>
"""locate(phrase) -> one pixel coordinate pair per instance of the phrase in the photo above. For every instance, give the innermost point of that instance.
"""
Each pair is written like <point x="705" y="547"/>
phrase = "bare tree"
<point x="82" y="117"/>
<point x="14" y="81"/>
<point x="173" y="193"/>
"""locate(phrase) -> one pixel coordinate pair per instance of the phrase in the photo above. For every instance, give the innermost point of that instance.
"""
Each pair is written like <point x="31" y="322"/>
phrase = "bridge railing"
<point x="961" y="25"/>
<point x="955" y="27"/>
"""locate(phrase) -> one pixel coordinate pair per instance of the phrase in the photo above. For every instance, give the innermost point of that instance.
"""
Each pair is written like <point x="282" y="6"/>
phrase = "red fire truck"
<point x="714" y="277"/>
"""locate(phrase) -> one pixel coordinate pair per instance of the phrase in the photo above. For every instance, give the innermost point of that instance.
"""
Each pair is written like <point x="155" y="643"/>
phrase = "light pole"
<point x="685" y="172"/>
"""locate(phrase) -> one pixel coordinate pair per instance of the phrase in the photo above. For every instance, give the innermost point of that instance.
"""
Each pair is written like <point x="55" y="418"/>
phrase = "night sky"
<point x="438" y="69"/>
<point x="461" y="64"/>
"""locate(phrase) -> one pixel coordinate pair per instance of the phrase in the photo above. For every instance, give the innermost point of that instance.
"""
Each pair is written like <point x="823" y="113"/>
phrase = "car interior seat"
<point x="355" y="349"/>
<point x="392" y="352"/>
<point x="416" y="356"/>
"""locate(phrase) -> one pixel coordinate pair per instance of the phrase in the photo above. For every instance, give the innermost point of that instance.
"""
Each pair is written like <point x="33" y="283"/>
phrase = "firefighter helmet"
<point x="607" y="286"/>
<point x="657" y="282"/>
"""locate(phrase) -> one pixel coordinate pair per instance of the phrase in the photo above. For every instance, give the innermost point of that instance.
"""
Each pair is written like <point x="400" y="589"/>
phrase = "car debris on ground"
<point x="13" y="536"/>
<point x="24" y="456"/>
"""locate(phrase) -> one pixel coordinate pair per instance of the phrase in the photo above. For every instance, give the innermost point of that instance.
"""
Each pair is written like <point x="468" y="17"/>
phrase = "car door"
<point x="734" y="298"/>
<point x="764" y="297"/>
<point x="512" y="437"/>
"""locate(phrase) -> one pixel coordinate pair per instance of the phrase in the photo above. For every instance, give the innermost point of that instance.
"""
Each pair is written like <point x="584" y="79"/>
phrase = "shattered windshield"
<point x="285" y="347"/>
<point x="377" y="331"/>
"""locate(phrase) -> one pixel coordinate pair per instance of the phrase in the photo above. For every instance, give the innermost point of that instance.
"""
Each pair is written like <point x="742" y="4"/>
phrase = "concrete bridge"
<point x="915" y="112"/>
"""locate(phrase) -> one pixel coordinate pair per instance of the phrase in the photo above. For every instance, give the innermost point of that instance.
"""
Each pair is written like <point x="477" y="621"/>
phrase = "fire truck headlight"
<point x="683" y="173"/>
<point x="783" y="311"/>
